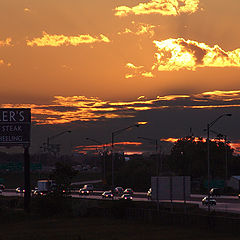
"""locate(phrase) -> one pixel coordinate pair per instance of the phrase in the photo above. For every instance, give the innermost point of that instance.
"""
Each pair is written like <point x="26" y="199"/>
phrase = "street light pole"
<point x="224" y="137"/>
<point x="209" y="125"/>
<point x="49" y="147"/>
<point x="155" y="141"/>
<point x="208" y="163"/>
<point x="115" y="133"/>
<point x="104" y="160"/>
<point x="113" y="160"/>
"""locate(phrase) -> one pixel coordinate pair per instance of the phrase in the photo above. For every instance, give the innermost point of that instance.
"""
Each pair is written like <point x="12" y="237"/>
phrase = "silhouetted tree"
<point x="189" y="157"/>
<point x="63" y="175"/>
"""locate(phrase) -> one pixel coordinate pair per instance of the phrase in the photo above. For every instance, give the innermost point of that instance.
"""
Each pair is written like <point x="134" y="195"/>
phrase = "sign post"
<point x="15" y="129"/>
<point x="27" y="185"/>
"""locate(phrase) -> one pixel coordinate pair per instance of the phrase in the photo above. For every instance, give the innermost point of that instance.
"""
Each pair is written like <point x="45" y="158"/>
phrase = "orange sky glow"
<point x="173" y="64"/>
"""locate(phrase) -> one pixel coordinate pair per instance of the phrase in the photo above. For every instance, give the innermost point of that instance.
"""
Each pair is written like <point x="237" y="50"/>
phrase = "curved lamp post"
<point x="49" y="146"/>
<point x="209" y="125"/>
<point x="115" y="133"/>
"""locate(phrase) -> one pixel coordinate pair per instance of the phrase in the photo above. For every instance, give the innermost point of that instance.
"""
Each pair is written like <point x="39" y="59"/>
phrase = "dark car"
<point x="2" y="187"/>
<point x="208" y="201"/>
<point x="84" y="191"/>
<point x="20" y="190"/>
<point x="128" y="191"/>
<point x="149" y="194"/>
<point x="127" y="197"/>
<point x="89" y="187"/>
<point x="118" y="191"/>
<point x="107" y="194"/>
<point x="215" y="192"/>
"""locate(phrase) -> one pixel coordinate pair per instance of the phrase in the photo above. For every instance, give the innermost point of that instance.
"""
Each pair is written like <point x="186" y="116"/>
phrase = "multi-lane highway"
<point x="224" y="203"/>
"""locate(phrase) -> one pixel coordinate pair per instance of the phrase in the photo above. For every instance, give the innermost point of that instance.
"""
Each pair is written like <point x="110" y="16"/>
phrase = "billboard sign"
<point x="15" y="126"/>
<point x="171" y="187"/>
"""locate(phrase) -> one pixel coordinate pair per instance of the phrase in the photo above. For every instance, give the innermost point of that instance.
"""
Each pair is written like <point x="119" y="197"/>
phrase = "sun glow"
<point x="176" y="54"/>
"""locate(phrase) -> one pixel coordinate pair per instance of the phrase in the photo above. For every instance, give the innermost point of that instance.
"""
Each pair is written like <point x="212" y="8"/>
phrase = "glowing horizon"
<point x="89" y="64"/>
<point x="80" y="108"/>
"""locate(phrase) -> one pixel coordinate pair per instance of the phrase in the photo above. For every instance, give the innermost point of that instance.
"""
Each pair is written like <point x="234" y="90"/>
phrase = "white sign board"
<point x="171" y="188"/>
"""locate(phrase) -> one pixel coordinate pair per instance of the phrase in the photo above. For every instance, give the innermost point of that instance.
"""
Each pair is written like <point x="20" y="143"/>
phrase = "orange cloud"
<point x="2" y="62"/>
<point x="27" y="10"/>
<point x="163" y="7"/>
<point x="118" y="146"/>
<point x="60" y="40"/>
<point x="141" y="29"/>
<point x="172" y="140"/>
<point x="132" y="66"/>
<point x="179" y="54"/>
<point x="176" y="54"/>
<point x="137" y="71"/>
<point x="6" y="42"/>
<point x="236" y="147"/>
<point x="85" y="109"/>
<point x="220" y="95"/>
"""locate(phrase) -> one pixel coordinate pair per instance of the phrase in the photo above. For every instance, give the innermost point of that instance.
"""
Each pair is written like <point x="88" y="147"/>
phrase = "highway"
<point x="229" y="204"/>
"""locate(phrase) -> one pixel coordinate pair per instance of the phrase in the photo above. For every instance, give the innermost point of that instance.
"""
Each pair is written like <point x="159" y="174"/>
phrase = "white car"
<point x="20" y="190"/>
<point x="83" y="191"/>
<point x="210" y="201"/>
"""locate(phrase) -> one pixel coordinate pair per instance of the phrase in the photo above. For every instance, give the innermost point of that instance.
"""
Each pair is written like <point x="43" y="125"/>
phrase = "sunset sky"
<point x="97" y="66"/>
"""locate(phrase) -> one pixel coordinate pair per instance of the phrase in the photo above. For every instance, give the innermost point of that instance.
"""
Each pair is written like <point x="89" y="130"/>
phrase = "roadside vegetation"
<point x="95" y="228"/>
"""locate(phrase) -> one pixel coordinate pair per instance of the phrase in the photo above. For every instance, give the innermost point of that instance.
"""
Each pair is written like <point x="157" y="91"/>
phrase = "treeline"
<point x="188" y="156"/>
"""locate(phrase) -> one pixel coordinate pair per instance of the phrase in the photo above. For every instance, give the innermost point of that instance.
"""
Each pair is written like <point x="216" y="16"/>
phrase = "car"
<point x="239" y="195"/>
<point x="84" y="191"/>
<point x="88" y="187"/>
<point x="215" y="192"/>
<point x="209" y="201"/>
<point x="118" y="191"/>
<point x="128" y="191"/>
<point x="20" y="190"/>
<point x="40" y="193"/>
<point x="2" y="187"/>
<point x="149" y="194"/>
<point x="127" y="197"/>
<point x="107" y="194"/>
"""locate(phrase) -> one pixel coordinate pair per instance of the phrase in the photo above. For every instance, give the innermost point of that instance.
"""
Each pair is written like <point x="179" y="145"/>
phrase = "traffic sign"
<point x="15" y="126"/>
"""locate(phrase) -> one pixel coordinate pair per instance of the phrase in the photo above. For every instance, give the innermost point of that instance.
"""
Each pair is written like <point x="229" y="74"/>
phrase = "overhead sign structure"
<point x="15" y="126"/>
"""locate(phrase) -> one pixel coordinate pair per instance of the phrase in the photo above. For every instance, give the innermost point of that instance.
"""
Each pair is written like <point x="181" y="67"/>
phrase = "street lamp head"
<point x="141" y="123"/>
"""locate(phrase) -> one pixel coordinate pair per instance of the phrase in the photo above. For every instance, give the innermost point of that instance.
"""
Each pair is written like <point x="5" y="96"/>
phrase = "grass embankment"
<point x="99" y="229"/>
